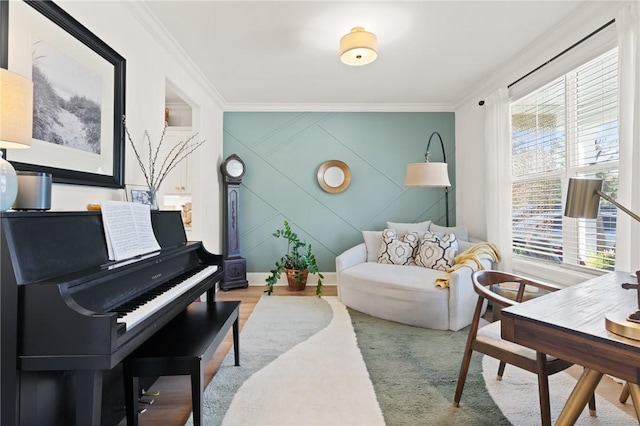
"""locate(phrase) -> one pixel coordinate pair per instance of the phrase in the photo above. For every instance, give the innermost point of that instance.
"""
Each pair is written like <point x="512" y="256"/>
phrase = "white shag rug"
<point x="520" y="385"/>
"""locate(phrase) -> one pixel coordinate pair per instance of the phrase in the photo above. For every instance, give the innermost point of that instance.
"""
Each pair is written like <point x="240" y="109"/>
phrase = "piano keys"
<point x="73" y="315"/>
<point x="135" y="311"/>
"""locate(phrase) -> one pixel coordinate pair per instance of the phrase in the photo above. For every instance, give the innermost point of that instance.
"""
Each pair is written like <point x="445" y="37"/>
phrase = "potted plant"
<point x="297" y="263"/>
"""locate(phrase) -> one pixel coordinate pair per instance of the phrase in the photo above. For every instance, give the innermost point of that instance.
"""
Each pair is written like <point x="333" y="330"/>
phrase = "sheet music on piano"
<point x="127" y="229"/>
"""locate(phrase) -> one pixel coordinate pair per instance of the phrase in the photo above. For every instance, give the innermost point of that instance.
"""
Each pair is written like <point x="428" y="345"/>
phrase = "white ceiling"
<point x="286" y="52"/>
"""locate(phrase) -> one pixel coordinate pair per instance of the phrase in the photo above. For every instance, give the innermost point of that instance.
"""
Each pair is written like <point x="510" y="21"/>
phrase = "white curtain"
<point x="628" y="230"/>
<point x="497" y="136"/>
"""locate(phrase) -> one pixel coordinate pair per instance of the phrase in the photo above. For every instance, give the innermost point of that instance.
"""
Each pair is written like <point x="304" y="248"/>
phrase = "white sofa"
<point x="406" y="293"/>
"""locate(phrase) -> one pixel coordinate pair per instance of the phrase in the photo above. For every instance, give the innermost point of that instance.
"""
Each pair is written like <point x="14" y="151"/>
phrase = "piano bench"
<point x="182" y="347"/>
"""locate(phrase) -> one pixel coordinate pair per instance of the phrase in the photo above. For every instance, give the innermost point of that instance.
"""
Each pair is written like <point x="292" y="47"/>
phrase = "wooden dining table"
<point x="575" y="324"/>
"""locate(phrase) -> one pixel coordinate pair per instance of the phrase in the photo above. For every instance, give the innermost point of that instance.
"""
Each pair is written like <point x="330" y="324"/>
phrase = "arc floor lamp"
<point x="431" y="175"/>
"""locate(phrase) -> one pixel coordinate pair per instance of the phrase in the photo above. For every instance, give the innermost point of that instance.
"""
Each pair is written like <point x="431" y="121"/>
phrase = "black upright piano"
<point x="69" y="316"/>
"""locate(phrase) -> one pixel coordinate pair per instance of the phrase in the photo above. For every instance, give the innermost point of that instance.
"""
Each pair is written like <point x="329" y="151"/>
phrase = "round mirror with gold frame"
<point x="334" y="176"/>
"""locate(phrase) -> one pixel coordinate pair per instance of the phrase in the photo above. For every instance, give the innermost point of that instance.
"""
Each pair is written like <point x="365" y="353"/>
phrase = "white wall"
<point x="470" y="191"/>
<point x="148" y="64"/>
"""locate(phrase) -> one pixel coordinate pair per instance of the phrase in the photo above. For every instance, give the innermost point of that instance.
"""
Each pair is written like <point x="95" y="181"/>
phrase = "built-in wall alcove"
<point x="177" y="110"/>
<point x="176" y="192"/>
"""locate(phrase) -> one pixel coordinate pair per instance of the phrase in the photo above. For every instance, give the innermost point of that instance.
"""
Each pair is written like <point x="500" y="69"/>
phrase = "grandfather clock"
<point x="235" y="267"/>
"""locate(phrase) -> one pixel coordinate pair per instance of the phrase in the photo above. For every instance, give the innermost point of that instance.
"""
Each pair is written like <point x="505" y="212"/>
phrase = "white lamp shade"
<point x="433" y="175"/>
<point x="16" y="110"/>
<point x="359" y="47"/>
<point x="16" y="126"/>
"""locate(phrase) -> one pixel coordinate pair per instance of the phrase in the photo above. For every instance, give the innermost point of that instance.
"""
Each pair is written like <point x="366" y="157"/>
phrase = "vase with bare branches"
<point x="157" y="168"/>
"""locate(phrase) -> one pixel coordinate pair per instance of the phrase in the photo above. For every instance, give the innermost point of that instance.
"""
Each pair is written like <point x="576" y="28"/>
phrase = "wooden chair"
<point x="624" y="395"/>
<point x="487" y="339"/>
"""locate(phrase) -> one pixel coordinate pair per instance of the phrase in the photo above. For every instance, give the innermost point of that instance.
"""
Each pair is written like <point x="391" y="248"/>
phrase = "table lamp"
<point x="16" y="125"/>
<point x="583" y="201"/>
<point x="431" y="175"/>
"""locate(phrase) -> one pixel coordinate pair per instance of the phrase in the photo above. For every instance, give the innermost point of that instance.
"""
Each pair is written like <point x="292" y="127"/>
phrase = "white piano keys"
<point x="150" y="307"/>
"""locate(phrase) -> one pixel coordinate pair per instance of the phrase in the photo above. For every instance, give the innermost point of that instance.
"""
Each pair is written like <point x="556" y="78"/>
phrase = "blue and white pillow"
<point x="437" y="252"/>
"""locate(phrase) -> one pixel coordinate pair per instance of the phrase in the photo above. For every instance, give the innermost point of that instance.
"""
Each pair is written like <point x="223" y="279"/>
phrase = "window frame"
<point x="570" y="169"/>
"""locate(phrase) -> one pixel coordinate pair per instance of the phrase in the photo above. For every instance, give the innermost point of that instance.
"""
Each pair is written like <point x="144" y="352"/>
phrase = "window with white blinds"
<point x="566" y="128"/>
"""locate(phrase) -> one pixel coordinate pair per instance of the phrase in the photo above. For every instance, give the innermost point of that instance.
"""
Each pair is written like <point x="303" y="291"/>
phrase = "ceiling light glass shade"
<point x="430" y="175"/>
<point x="359" y="47"/>
<point x="583" y="200"/>
<point x="16" y="125"/>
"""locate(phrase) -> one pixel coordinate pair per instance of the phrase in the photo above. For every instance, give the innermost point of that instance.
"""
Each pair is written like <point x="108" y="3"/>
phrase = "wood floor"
<point x="173" y="406"/>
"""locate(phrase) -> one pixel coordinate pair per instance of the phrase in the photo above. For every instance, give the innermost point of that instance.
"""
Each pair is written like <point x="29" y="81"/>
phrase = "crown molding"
<point x="313" y="107"/>
<point x="150" y="22"/>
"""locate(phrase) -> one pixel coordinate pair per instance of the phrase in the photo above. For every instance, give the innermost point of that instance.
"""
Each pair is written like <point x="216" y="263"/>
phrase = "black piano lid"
<point x="44" y="245"/>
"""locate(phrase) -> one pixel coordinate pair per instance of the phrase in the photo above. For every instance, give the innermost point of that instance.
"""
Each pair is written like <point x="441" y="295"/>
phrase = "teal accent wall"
<point x="283" y="151"/>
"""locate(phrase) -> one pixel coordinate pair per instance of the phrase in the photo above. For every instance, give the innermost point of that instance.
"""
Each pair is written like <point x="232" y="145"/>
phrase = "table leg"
<point x="579" y="397"/>
<point x="634" y="391"/>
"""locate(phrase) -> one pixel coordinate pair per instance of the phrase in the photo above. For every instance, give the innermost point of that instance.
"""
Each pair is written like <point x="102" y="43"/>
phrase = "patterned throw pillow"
<point x="397" y="251"/>
<point x="437" y="252"/>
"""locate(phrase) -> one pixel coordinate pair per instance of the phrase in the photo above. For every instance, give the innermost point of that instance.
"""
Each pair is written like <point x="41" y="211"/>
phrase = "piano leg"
<point x="130" y="393"/>
<point x="88" y="397"/>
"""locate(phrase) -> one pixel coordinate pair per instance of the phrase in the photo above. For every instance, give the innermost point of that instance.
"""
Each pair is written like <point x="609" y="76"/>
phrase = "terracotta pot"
<point x="297" y="279"/>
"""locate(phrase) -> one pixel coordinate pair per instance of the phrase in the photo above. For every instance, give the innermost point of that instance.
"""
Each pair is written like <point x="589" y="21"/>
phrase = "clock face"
<point x="234" y="168"/>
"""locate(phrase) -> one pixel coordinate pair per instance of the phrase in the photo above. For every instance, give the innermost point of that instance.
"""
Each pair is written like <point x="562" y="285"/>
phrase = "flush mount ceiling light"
<point x="359" y="47"/>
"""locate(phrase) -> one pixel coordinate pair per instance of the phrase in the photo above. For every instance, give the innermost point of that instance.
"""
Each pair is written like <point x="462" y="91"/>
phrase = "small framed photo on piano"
<point x="139" y="194"/>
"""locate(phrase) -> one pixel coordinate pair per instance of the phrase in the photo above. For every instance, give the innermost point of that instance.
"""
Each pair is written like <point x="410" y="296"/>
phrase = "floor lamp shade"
<point x="429" y="175"/>
<point x="583" y="199"/>
<point x="16" y="125"/>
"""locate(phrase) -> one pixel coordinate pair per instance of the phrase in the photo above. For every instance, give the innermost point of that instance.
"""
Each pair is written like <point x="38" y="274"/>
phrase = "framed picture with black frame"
<point x="79" y="94"/>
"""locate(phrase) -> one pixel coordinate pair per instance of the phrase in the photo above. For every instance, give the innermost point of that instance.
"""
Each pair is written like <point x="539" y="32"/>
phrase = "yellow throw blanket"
<point x="471" y="258"/>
